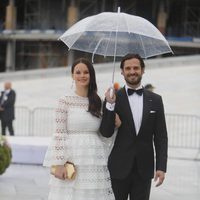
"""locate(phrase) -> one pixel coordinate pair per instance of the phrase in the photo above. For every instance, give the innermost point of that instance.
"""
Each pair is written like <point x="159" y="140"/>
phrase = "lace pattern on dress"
<point x="76" y="139"/>
<point x="56" y="153"/>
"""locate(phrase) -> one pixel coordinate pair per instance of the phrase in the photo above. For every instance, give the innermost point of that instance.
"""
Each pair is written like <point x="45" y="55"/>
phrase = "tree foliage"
<point x="5" y="155"/>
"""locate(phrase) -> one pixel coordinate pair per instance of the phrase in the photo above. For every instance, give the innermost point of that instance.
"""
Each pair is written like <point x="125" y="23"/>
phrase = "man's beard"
<point x="134" y="82"/>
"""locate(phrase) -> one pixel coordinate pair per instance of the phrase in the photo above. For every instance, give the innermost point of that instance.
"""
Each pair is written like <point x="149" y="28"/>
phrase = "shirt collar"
<point x="139" y="87"/>
<point x="7" y="91"/>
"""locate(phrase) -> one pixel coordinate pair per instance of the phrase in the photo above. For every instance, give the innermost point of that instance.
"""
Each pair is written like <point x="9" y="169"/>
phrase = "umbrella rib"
<point x="142" y="46"/>
<point x="107" y="44"/>
<point x="96" y="47"/>
<point x="75" y="40"/>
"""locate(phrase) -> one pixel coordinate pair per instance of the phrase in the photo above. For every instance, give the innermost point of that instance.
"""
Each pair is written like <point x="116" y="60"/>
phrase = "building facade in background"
<point x="29" y="29"/>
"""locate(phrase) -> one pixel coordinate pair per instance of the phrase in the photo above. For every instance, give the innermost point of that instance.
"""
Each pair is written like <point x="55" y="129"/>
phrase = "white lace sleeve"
<point x="56" y="152"/>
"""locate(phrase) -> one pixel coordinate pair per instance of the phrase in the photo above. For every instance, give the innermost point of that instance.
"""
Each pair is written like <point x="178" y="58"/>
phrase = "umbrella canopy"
<point x="116" y="34"/>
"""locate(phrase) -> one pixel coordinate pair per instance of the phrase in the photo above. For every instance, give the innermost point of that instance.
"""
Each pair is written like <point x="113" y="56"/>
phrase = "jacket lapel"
<point x="146" y="109"/>
<point x="127" y="109"/>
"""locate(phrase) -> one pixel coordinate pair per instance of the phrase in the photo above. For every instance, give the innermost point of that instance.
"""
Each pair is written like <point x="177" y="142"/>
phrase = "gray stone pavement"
<point x="30" y="182"/>
<point x="24" y="182"/>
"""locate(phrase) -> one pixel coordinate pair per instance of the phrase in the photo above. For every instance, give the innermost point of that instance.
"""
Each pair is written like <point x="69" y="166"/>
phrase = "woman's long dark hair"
<point x="94" y="106"/>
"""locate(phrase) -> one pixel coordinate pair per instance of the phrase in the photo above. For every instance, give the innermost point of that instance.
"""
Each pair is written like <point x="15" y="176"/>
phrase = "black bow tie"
<point x="131" y="91"/>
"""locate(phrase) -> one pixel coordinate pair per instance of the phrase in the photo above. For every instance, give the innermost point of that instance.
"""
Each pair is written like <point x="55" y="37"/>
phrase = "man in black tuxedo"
<point x="7" y="113"/>
<point x="143" y="129"/>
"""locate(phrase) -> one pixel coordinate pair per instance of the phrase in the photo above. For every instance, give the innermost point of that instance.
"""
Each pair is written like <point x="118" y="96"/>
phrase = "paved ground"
<point x="24" y="182"/>
<point x="30" y="182"/>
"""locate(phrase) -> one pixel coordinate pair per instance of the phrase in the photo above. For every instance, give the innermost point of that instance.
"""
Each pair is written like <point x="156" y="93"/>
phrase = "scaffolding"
<point x="41" y="22"/>
<point x="43" y="54"/>
<point x="88" y="7"/>
<point x="32" y="13"/>
<point x="192" y="21"/>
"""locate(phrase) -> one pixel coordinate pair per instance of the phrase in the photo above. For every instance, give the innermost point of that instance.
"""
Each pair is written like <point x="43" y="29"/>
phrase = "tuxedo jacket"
<point x="147" y="149"/>
<point x="8" y="105"/>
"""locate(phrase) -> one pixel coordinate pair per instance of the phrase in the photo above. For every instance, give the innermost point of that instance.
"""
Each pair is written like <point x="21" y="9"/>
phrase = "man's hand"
<point x="110" y="95"/>
<point x="159" y="177"/>
<point x="1" y="109"/>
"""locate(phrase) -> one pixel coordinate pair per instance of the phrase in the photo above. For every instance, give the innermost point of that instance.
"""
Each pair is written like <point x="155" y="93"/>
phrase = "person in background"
<point x="77" y="140"/>
<point x="143" y="129"/>
<point x="7" y="108"/>
<point x="149" y="87"/>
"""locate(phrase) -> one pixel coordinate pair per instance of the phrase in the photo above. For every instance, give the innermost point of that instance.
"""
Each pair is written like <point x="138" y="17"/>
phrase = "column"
<point x="72" y="17"/>
<point x="10" y="56"/>
<point x="162" y="19"/>
<point x="10" y="24"/>
<point x="72" y="14"/>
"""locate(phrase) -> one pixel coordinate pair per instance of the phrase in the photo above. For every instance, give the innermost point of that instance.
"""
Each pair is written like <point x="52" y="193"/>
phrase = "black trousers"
<point x="133" y="186"/>
<point x="8" y="124"/>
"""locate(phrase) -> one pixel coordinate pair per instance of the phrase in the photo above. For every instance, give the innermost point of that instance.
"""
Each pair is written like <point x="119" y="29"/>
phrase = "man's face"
<point x="132" y="72"/>
<point x="7" y="85"/>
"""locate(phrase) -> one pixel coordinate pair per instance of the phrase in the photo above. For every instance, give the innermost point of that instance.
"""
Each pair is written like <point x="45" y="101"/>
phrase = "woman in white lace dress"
<point x="77" y="140"/>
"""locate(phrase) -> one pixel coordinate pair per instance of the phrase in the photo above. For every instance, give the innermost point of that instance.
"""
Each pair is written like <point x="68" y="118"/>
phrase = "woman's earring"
<point x="72" y="85"/>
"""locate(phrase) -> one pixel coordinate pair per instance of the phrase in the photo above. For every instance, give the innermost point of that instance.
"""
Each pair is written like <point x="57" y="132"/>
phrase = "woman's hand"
<point x="60" y="172"/>
<point x="118" y="122"/>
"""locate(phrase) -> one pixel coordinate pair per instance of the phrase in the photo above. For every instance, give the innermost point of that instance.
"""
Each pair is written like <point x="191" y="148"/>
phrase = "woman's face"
<point x="81" y="75"/>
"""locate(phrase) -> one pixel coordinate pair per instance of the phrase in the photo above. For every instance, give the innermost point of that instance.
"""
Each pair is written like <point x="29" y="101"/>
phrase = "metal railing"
<point x="183" y="130"/>
<point x="36" y="122"/>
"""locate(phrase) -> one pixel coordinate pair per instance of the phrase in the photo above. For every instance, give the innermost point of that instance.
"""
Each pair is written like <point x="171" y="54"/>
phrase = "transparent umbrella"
<point x="116" y="34"/>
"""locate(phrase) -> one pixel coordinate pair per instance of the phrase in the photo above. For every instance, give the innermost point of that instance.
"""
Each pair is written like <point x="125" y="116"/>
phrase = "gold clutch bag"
<point x="70" y="168"/>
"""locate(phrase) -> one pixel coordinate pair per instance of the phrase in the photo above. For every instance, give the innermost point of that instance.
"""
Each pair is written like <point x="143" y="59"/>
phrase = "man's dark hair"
<point x="130" y="56"/>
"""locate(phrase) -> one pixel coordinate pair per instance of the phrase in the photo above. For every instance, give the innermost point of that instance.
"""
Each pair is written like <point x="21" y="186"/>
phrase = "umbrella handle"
<point x="111" y="90"/>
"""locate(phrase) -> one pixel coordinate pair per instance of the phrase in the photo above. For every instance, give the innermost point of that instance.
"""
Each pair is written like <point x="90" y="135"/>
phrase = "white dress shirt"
<point x="5" y="94"/>
<point x="136" y="105"/>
